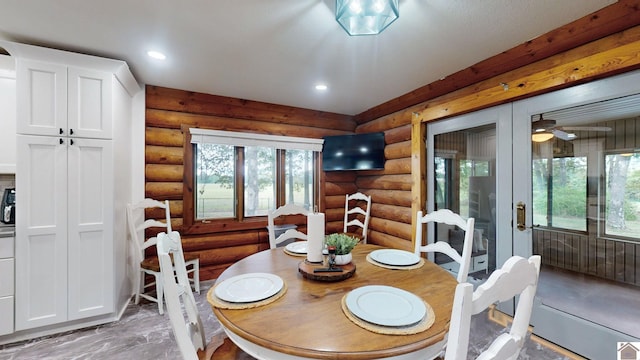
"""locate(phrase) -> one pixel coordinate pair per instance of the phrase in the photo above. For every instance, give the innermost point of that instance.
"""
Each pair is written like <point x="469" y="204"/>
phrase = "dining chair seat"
<point x="149" y="267"/>
<point x="153" y="264"/>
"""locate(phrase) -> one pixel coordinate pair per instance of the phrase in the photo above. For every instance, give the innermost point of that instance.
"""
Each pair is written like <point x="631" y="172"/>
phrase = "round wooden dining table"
<point x="308" y="322"/>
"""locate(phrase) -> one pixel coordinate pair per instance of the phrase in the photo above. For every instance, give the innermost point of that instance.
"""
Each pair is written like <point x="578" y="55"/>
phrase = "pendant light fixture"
<point x="366" y="17"/>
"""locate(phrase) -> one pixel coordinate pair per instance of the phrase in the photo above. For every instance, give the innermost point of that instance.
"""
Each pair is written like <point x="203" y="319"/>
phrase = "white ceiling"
<point x="277" y="50"/>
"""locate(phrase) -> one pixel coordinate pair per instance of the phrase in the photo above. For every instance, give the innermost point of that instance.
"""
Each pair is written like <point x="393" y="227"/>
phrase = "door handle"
<point x="521" y="211"/>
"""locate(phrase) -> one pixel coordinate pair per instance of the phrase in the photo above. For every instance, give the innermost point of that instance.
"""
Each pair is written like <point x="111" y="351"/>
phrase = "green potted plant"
<point x="343" y="244"/>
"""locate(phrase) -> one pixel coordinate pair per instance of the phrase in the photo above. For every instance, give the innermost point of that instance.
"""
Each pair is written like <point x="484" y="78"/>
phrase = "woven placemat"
<point x="293" y="253"/>
<point x="221" y="304"/>
<point x="395" y="267"/>
<point x="422" y="325"/>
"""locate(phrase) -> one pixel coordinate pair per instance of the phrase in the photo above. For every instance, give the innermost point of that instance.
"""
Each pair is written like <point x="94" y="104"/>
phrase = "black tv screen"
<point x="353" y="152"/>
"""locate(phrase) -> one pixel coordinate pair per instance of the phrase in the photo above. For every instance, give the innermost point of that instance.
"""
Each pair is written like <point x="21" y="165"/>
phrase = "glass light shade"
<point x="366" y="17"/>
<point x="541" y="136"/>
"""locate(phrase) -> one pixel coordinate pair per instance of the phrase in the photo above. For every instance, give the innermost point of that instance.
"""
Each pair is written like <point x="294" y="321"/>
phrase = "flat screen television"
<point x="353" y="152"/>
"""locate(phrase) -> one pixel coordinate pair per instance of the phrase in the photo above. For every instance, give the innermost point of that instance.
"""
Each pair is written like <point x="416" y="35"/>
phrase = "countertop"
<point x="7" y="230"/>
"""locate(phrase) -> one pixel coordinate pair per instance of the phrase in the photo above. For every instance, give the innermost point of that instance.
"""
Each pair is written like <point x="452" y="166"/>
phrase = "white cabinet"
<point x="74" y="118"/>
<point x="7" y="115"/>
<point x="6" y="284"/>
<point x="65" y="236"/>
<point x="64" y="175"/>
<point x="55" y="99"/>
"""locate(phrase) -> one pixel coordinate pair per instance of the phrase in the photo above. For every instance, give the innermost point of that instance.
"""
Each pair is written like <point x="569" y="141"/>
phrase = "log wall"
<point x="560" y="62"/>
<point x="169" y="111"/>
<point x="398" y="190"/>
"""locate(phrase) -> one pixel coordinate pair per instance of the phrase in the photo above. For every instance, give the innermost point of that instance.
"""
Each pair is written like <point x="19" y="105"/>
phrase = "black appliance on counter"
<point x="8" y="207"/>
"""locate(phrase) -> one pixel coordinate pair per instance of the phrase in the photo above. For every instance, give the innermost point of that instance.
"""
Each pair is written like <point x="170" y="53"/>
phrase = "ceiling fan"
<point x="545" y="129"/>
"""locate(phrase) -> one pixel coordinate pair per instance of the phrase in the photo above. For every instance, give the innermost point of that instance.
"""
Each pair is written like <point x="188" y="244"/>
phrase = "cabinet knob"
<point x="61" y="131"/>
<point x="70" y="131"/>
<point x="70" y="141"/>
<point x="61" y="141"/>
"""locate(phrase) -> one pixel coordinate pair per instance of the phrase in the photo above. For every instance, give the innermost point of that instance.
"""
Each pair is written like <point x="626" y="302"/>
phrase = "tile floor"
<point x="144" y="334"/>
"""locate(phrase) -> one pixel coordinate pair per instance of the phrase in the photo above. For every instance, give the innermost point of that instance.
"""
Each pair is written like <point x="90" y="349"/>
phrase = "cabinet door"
<point x="7" y="117"/>
<point x="90" y="113"/>
<point x="90" y="239"/>
<point x="42" y="98"/>
<point x="41" y="232"/>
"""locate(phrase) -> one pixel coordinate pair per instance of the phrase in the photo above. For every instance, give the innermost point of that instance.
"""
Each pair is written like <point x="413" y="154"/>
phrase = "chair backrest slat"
<point x="188" y="330"/>
<point x="137" y="223"/>
<point x="518" y="277"/>
<point x="288" y="209"/>
<point x="359" y="212"/>
<point x="446" y="216"/>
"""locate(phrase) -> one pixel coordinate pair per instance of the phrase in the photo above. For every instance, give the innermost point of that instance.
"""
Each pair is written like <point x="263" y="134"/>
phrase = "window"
<point x="560" y="192"/>
<point x="622" y="193"/>
<point x="242" y="176"/>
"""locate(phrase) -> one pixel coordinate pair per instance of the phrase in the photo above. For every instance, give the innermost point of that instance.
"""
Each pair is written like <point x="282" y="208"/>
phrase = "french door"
<point x="573" y="198"/>
<point x="469" y="172"/>
<point x="581" y="212"/>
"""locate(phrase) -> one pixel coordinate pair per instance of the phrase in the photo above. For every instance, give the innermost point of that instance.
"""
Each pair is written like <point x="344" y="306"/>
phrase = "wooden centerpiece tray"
<point x="314" y="271"/>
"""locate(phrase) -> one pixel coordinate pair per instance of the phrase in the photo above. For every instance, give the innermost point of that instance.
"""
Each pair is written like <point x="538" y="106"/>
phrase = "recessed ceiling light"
<point x="321" y="87"/>
<point x="156" y="55"/>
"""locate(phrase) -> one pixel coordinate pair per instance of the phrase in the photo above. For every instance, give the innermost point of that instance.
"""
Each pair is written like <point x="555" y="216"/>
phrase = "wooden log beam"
<point x="339" y="188"/>
<point x="174" y="120"/>
<point x="402" y="133"/>
<point x="334" y="201"/>
<point x="391" y="212"/>
<point x="340" y="176"/>
<point x="212" y="271"/>
<point x="391" y="197"/>
<point x="622" y="15"/>
<point x="163" y="190"/>
<point x="334" y="227"/>
<point x="390" y="241"/>
<point x="391" y="227"/>
<point x="395" y="120"/>
<point x="336" y="214"/>
<point x="388" y="182"/>
<point x="198" y="103"/>
<point x="586" y="63"/>
<point x="223" y="240"/>
<point x="163" y="173"/>
<point x="398" y="150"/>
<point x="163" y="155"/>
<point x="225" y="255"/>
<point x="164" y="137"/>
<point x="397" y="166"/>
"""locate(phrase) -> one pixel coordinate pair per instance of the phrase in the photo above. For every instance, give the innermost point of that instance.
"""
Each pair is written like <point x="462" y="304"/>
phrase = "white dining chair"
<point x="518" y="277"/>
<point x="284" y="210"/>
<point x="357" y="212"/>
<point x="186" y="323"/>
<point x="149" y="266"/>
<point x="446" y="216"/>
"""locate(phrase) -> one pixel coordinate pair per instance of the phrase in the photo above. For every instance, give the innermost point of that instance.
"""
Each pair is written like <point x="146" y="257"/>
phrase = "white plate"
<point x="386" y="305"/>
<point x="395" y="257"/>
<point x="249" y="287"/>
<point x="297" y="247"/>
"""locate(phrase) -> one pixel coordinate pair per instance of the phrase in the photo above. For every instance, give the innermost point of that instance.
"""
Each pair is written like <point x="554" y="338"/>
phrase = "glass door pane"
<point x="578" y="190"/>
<point x="465" y="183"/>
<point x="469" y="172"/>
<point x="586" y="223"/>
